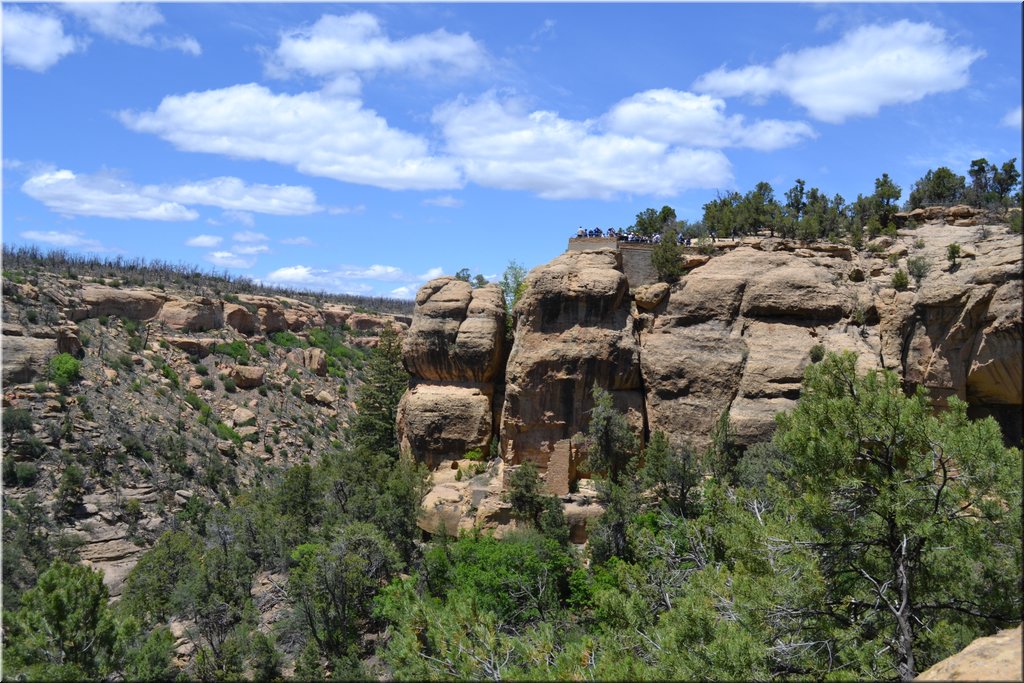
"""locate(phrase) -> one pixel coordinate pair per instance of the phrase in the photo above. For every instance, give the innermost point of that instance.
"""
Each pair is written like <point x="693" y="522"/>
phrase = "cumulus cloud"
<point x="679" y="117"/>
<point x="130" y="23"/>
<point x="249" y="236"/>
<point x="64" y="240"/>
<point x="503" y="145"/>
<point x="228" y="259"/>
<point x="351" y="278"/>
<point x="868" y="68"/>
<point x="234" y="194"/>
<point x="341" y="47"/>
<point x="250" y="249"/>
<point x="207" y="241"/>
<point x="320" y="135"/>
<point x="35" y="41"/>
<point x="446" y="201"/>
<point x="69" y="193"/>
<point x="1013" y="118"/>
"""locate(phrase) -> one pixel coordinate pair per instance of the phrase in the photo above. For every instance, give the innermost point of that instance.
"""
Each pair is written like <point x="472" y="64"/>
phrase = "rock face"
<point x="198" y="315"/>
<point x="995" y="658"/>
<point x="454" y="350"/>
<point x="457" y="333"/>
<point x="733" y="337"/>
<point x="574" y="330"/>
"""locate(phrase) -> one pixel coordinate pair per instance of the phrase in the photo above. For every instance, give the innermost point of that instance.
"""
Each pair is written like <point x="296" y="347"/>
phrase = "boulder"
<point x="336" y="315"/>
<point x="194" y="346"/>
<point x="197" y="315"/>
<point x="443" y="422"/>
<point x="240" y="318"/>
<point x="648" y="297"/>
<point x="135" y="304"/>
<point x="243" y="417"/>
<point x="248" y="376"/>
<point x="25" y="358"/>
<point x="457" y="332"/>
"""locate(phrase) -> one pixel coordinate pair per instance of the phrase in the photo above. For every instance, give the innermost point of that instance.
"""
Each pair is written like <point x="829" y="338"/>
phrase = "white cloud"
<point x="100" y="195"/>
<point x="207" y="241"/>
<point x="297" y="274"/>
<point x="250" y="249"/>
<point x="342" y="210"/>
<point x="351" y="278"/>
<point x="298" y="241"/>
<point x="249" y="236"/>
<point x="321" y="135"/>
<point x="35" y="41"/>
<point x="868" y="68"/>
<point x="339" y="47"/>
<point x="243" y="217"/>
<point x="446" y="201"/>
<point x="235" y="195"/>
<point x="129" y="23"/>
<point x="503" y="145"/>
<point x="1012" y="118"/>
<point x="68" y="194"/>
<point x="431" y="274"/>
<point x="64" y="240"/>
<point x="678" y="117"/>
<point x="227" y="259"/>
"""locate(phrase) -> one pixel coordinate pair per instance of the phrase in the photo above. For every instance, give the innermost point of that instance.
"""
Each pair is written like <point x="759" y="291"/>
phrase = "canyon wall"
<point x="734" y="335"/>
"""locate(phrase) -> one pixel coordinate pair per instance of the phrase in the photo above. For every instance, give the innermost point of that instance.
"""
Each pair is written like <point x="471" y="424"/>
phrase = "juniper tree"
<point x="918" y="514"/>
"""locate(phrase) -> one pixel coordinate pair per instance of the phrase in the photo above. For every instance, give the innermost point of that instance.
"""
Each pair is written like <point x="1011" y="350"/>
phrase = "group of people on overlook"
<point x="625" y="235"/>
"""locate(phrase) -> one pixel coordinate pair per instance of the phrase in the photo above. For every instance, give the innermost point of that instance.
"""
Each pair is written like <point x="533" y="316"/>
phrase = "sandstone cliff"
<point x="733" y="336"/>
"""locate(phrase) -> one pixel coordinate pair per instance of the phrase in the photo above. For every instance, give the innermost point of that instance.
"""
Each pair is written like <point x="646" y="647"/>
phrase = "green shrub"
<point x="227" y="433"/>
<point x="817" y="353"/>
<point x="236" y="349"/>
<point x="17" y="419"/>
<point x="64" y="369"/>
<point x="918" y="267"/>
<point x="900" y="281"/>
<point x="168" y="372"/>
<point x="31" y="315"/>
<point x="202" y="370"/>
<point x="1015" y="222"/>
<point x="476" y="455"/>
<point x="262" y="349"/>
<point x="953" y="253"/>
<point x="288" y="340"/>
<point x="208" y="383"/>
<point x="229" y="385"/>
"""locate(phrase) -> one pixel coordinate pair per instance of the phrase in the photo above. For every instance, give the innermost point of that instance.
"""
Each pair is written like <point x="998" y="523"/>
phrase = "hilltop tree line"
<point x="808" y="213"/>
<point x="119" y="271"/>
<point x="872" y="537"/>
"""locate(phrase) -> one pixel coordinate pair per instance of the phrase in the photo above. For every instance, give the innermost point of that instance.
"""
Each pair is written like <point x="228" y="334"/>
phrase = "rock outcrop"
<point x="731" y="338"/>
<point x="995" y="658"/>
<point x="574" y="330"/>
<point x="454" y="350"/>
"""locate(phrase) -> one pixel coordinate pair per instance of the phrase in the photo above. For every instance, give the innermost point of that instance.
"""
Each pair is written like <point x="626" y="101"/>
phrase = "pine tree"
<point x="377" y="406"/>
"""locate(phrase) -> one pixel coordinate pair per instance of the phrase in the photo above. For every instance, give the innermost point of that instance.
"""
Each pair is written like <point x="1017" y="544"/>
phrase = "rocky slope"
<point x="184" y="397"/>
<point x="731" y="337"/>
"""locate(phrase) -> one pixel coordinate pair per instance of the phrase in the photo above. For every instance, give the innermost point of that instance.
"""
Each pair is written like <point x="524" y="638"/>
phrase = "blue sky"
<point x="365" y="148"/>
